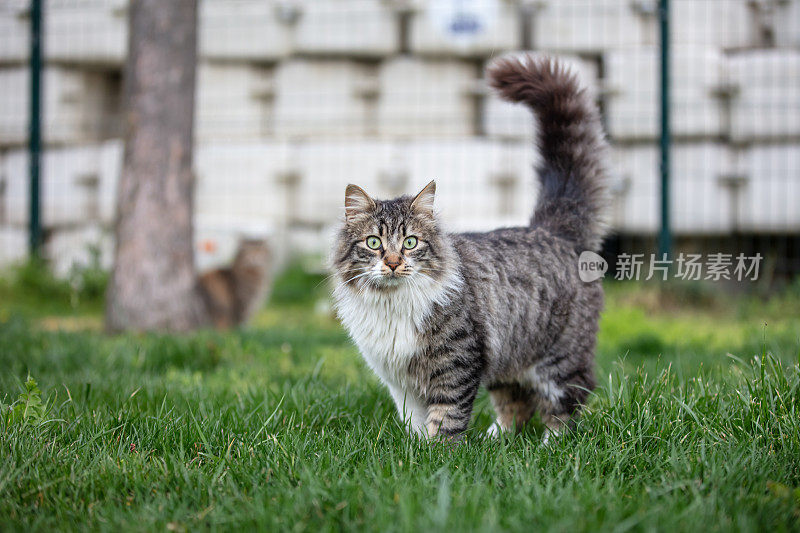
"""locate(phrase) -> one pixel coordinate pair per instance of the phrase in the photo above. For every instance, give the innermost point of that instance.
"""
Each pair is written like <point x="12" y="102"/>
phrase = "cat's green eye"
<point x="409" y="243"/>
<point x="373" y="242"/>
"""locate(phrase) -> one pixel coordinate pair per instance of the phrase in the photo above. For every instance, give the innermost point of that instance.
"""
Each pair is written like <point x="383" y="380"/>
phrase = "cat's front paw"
<point x="436" y="436"/>
<point x="447" y="440"/>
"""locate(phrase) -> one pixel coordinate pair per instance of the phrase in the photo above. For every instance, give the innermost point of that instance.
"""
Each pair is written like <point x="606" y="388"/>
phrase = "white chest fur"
<point x="387" y="326"/>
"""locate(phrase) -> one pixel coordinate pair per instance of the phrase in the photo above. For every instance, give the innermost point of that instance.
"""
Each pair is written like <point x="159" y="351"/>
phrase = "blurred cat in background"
<point x="233" y="294"/>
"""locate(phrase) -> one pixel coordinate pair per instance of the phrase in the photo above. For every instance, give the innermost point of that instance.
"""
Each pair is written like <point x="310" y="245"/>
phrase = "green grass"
<point x="280" y="426"/>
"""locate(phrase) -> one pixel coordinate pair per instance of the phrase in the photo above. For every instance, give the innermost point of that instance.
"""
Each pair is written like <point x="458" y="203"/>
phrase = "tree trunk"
<point x="153" y="282"/>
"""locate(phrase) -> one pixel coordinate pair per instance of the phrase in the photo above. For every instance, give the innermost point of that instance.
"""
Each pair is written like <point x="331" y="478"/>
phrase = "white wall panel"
<point x="76" y="247"/>
<point x="14" y="31"/>
<point x="86" y="32"/>
<point x="234" y="101"/>
<point x="321" y="99"/>
<point x="635" y="202"/>
<point x="246" y="29"/>
<point x="422" y="98"/>
<point x="772" y="190"/>
<point x="492" y="34"/>
<point x="352" y="27"/>
<point x="701" y="202"/>
<point x="480" y="184"/>
<point x="766" y="105"/>
<point x="79" y="105"/>
<point x="727" y="24"/>
<point x="325" y="168"/>
<point x="786" y="23"/>
<point x="110" y="171"/>
<point x="587" y="25"/>
<point x="15" y="173"/>
<point x="13" y="245"/>
<point x="78" y="184"/>
<point x="633" y="105"/>
<point x="238" y="184"/>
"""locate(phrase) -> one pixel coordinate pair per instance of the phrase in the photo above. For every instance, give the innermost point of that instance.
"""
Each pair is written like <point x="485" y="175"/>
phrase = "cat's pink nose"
<point x="392" y="261"/>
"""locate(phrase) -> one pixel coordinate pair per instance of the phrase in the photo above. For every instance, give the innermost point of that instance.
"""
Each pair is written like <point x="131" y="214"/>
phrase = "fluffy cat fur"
<point x="233" y="294"/>
<point x="505" y="308"/>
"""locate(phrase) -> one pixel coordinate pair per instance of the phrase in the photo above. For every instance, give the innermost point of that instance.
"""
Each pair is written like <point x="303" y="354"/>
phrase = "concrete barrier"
<point x="634" y="204"/>
<point x="238" y="183"/>
<point x="13" y="245"/>
<point x="14" y="31"/>
<point x="316" y="98"/>
<point x="698" y="74"/>
<point x="767" y="92"/>
<point x="499" y="31"/>
<point x="234" y="101"/>
<point x="80" y="106"/>
<point x="426" y="98"/>
<point x="76" y="247"/>
<point x="78" y="185"/>
<point x="770" y="193"/>
<point x="593" y="26"/>
<point x="786" y="23"/>
<point x="86" y="32"/>
<point x="247" y="29"/>
<point x="721" y="24"/>
<point x="351" y="27"/>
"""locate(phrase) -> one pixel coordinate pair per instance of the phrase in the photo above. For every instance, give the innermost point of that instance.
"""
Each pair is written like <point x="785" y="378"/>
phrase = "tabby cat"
<point x="436" y="314"/>
<point x="231" y="295"/>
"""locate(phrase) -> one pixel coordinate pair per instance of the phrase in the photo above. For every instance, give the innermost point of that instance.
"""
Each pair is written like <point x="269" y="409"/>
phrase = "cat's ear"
<point x="357" y="202"/>
<point x="423" y="202"/>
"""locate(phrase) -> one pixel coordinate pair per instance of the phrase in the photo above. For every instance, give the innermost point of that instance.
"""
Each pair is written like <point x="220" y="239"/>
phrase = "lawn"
<point x="280" y="426"/>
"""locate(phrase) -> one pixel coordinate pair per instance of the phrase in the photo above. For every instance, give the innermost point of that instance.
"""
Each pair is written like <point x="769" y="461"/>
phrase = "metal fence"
<point x="296" y="98"/>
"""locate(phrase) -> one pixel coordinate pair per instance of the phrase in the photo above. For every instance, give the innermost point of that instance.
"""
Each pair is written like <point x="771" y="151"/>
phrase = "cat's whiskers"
<point x="365" y="285"/>
<point x="331" y="276"/>
<point x="356" y="277"/>
<point x="342" y="284"/>
<point x="415" y="282"/>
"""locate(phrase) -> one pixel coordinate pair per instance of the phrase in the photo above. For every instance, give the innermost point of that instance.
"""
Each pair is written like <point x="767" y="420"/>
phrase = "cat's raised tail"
<point x="573" y="194"/>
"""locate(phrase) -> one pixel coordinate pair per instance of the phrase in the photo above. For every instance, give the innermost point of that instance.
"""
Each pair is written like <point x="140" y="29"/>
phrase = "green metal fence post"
<point x="665" y="237"/>
<point x="35" y="128"/>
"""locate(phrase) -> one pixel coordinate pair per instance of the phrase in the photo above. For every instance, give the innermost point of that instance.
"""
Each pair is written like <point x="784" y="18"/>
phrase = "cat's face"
<point x="385" y="244"/>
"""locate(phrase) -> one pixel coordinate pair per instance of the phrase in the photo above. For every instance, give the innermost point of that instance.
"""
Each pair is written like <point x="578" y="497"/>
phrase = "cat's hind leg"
<point x="514" y="405"/>
<point x="560" y="391"/>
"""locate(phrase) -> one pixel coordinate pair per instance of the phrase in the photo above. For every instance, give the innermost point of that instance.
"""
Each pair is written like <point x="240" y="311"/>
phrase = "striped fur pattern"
<point x="436" y="315"/>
